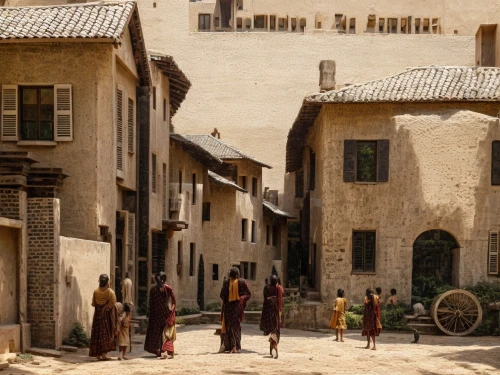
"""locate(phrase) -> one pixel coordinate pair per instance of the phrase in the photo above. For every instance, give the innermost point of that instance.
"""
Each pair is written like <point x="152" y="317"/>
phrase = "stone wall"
<point x="43" y="269"/>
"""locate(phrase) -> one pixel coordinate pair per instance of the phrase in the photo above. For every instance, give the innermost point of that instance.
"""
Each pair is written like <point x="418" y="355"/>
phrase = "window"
<point x="259" y="22"/>
<point x="154" y="97"/>
<point x="363" y="251"/>
<point x="239" y="24"/>
<point x="243" y="229"/>
<point x="302" y="24"/>
<point x="294" y="24"/>
<point x="215" y="272"/>
<point x="282" y="24"/>
<point x="179" y="252"/>
<point x="193" y="198"/>
<point x="381" y="25"/>
<point x="164" y="109"/>
<point x="404" y="26"/>
<point x="268" y="234"/>
<point x="243" y="182"/>
<point x="495" y="163"/>
<point x="340" y="22"/>
<point x="248" y="23"/>
<point x="272" y="23"/>
<point x="119" y="129"/>
<point x="366" y="161"/>
<point x="164" y="191"/>
<point x="276" y="234"/>
<point x="319" y="21"/>
<point x="153" y="173"/>
<point x="253" y="270"/>
<point x="158" y="246"/>
<point x="392" y="25"/>
<point x="216" y="22"/>
<point x="206" y="211"/>
<point x="180" y="182"/>
<point x="435" y="25"/>
<point x="417" y="25"/>
<point x="493" y="253"/>
<point x="299" y="184"/>
<point x="191" y="259"/>
<point x="352" y="26"/>
<point x="36" y="113"/>
<point x="130" y="126"/>
<point x="425" y="28"/>
<point x="244" y="270"/>
<point x="312" y="171"/>
<point x="254" y="186"/>
<point x="203" y="22"/>
<point x="253" y="233"/>
<point x="248" y="270"/>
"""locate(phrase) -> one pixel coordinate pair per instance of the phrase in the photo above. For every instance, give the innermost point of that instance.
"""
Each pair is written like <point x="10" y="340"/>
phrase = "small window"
<point x="253" y="270"/>
<point x="130" y="126"/>
<point x="164" y="109"/>
<point x="495" y="163"/>
<point x="312" y="171"/>
<point x="319" y="21"/>
<point x="243" y="229"/>
<point x="239" y="24"/>
<point x="244" y="266"/>
<point x="425" y="28"/>
<point x="366" y="168"/>
<point x="417" y="25"/>
<point x="272" y="23"/>
<point x="37" y="113"/>
<point x="215" y="272"/>
<point x="193" y="198"/>
<point x="154" y="97"/>
<point x="191" y="259"/>
<point x="153" y="173"/>
<point x="299" y="184"/>
<point x="164" y="192"/>
<point x="363" y="251"/>
<point x="282" y="24"/>
<point x="293" y="23"/>
<point x="243" y="182"/>
<point x="268" y="234"/>
<point x="340" y="22"/>
<point x="180" y="182"/>
<point x="435" y="25"/>
<point x="259" y="22"/>
<point x="216" y="21"/>
<point x="493" y="258"/>
<point x="248" y="23"/>
<point x="276" y="234"/>
<point x="179" y="252"/>
<point x="254" y="186"/>
<point x="206" y="211"/>
<point x="352" y="26"/>
<point x="404" y="26"/>
<point x="366" y="161"/>
<point x="253" y="233"/>
<point x="302" y="24"/>
<point x="381" y="25"/>
<point x="119" y="129"/>
<point x="203" y="22"/>
<point x="392" y="25"/>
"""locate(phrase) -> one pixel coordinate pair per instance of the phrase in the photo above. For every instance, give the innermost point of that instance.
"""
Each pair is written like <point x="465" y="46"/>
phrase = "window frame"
<point x="382" y="161"/>
<point x="38" y="89"/>
<point x="192" y="257"/>
<point x="364" y="271"/>
<point x="205" y="16"/>
<point x="244" y="230"/>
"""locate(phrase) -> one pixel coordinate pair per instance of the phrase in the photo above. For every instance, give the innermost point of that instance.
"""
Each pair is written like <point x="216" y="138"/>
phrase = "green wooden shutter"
<point x="383" y="160"/>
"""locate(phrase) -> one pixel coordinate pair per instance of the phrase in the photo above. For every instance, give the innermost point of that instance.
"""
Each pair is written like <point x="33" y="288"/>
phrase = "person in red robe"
<point x="371" y="318"/>
<point x="270" y="321"/>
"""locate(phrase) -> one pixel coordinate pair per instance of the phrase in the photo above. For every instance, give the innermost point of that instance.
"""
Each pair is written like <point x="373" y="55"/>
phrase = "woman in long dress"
<point x="270" y="321"/>
<point x="337" y="322"/>
<point x="102" y="338"/>
<point x="161" y="332"/>
<point x="371" y="318"/>
<point x="234" y="295"/>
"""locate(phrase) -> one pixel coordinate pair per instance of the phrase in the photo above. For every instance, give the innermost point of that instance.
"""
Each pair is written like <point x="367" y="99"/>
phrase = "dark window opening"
<point x="154" y="97"/>
<point x="206" y="211"/>
<point x="193" y="200"/>
<point x="215" y="272"/>
<point x="244" y="229"/>
<point x="164" y="109"/>
<point x="203" y="22"/>
<point x="191" y="259"/>
<point x="37" y="113"/>
<point x="366" y="168"/>
<point x="179" y="252"/>
<point x="254" y="186"/>
<point x="244" y="270"/>
<point x="268" y="234"/>
<point x="299" y="184"/>
<point x="363" y="251"/>
<point x="259" y="22"/>
<point x="272" y="23"/>
<point x="254" y="230"/>
<point x="417" y="25"/>
<point x="225" y="12"/>
<point x="253" y="271"/>
<point x="392" y="25"/>
<point x="180" y="182"/>
<point x="352" y="26"/>
<point x="243" y="182"/>
<point x="312" y="171"/>
<point x="158" y="246"/>
<point x="381" y="25"/>
<point x="276" y="234"/>
<point x="495" y="163"/>
<point x="153" y="173"/>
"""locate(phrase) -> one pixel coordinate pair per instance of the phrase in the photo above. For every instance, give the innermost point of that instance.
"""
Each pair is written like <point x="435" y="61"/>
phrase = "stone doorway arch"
<point x="434" y="266"/>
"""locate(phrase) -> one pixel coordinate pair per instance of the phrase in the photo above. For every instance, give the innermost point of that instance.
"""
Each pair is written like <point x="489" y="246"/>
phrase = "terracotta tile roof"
<point x="433" y="83"/>
<point x="224" y="181"/>
<point x="275" y="210"/>
<point x="416" y="85"/>
<point x="93" y="20"/>
<point x="220" y="149"/>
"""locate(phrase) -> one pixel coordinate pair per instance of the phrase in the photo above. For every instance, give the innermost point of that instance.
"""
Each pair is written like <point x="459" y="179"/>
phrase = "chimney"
<point x="327" y="75"/>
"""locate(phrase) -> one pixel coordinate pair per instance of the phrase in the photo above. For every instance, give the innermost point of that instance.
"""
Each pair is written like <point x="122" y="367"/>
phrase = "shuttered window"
<point x="9" y="113"/>
<point x="119" y="129"/>
<point x="366" y="161"/>
<point x="495" y="163"/>
<point x="158" y="247"/>
<point x="130" y="126"/>
<point x="493" y="253"/>
<point x="63" y="113"/>
<point x="153" y="173"/>
<point x="363" y="251"/>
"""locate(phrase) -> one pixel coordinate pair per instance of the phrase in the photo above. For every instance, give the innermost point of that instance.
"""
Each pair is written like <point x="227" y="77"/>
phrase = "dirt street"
<point x="301" y="352"/>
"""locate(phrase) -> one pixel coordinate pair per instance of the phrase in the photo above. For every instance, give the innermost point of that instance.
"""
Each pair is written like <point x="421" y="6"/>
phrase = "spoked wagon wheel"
<point x="456" y="312"/>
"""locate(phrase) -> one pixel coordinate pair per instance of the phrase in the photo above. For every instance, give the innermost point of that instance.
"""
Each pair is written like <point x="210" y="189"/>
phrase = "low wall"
<point x="82" y="262"/>
<point x="10" y="341"/>
<point x="307" y="316"/>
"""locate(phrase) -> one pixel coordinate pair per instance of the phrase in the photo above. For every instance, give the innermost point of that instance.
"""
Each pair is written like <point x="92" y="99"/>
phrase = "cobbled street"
<point x="301" y="352"/>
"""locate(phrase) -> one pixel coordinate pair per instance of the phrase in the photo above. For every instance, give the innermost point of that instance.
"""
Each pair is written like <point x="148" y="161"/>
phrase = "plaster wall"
<point x="185" y="286"/>
<point x="439" y="178"/>
<point x="82" y="262"/>
<point x="9" y="279"/>
<point x="85" y="67"/>
<point x="253" y="83"/>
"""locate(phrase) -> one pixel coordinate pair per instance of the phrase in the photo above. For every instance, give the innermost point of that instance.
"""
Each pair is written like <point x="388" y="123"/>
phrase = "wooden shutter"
<point x="131" y="236"/>
<point x="383" y="160"/>
<point x="9" y="113"/>
<point x="119" y="129"/>
<point x="493" y="253"/>
<point x="63" y="113"/>
<point x="357" y="251"/>
<point x="495" y="163"/>
<point x="130" y="126"/>
<point x="349" y="160"/>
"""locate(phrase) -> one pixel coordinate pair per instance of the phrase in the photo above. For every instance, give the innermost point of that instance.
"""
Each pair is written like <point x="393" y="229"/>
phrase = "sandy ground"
<point x="301" y="352"/>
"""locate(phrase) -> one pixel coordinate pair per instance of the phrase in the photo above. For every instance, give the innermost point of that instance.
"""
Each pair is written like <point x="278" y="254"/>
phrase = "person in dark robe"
<point x="161" y="333"/>
<point x="270" y="321"/>
<point x="371" y="318"/>
<point x="102" y="337"/>
<point x="235" y="295"/>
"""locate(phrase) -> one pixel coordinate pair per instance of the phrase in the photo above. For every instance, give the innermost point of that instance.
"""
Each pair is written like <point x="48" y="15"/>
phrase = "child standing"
<point x="338" y="318"/>
<point x="123" y="331"/>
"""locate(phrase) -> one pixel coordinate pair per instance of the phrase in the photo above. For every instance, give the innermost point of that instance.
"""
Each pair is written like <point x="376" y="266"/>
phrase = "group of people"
<point x="371" y="314"/>
<point x="111" y="322"/>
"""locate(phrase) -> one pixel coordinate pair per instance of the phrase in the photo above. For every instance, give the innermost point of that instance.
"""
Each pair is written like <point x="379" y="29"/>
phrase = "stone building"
<point x="396" y="181"/>
<point x="71" y="78"/>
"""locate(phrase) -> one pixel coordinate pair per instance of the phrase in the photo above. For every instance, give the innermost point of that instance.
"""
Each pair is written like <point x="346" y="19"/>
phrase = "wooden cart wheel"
<point x="456" y="312"/>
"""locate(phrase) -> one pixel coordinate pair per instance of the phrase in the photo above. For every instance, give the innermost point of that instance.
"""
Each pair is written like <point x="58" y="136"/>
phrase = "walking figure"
<point x="337" y="322"/>
<point x="270" y="321"/>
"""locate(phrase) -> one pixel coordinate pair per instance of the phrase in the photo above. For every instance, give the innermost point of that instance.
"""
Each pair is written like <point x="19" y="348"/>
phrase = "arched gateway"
<point x="433" y="264"/>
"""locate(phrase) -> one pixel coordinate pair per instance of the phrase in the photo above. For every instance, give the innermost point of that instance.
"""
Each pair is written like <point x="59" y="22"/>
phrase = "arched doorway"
<point x="433" y="265"/>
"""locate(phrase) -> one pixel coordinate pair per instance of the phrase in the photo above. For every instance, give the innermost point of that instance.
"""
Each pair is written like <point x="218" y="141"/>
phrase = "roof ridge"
<point x="95" y="3"/>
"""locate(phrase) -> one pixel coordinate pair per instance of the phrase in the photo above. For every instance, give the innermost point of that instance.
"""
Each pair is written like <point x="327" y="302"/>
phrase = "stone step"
<point x="45" y="352"/>
<point x="68" y="348"/>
